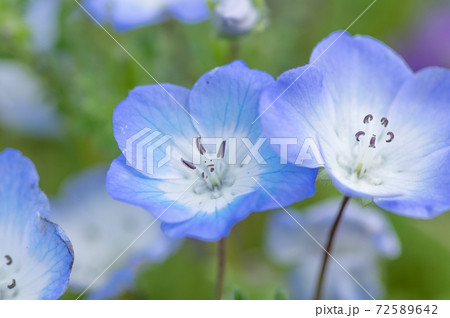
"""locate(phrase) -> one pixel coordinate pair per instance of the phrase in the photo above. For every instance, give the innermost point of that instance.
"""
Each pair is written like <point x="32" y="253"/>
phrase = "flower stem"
<point x="221" y="260"/>
<point x="326" y="253"/>
<point x="233" y="50"/>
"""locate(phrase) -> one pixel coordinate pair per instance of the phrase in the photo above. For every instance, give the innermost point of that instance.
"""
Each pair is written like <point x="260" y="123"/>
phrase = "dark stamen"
<point x="13" y="284"/>
<point x="372" y="141"/>
<point x="211" y="169"/>
<point x="221" y="152"/>
<point x="391" y="135"/>
<point x="188" y="164"/>
<point x="368" y="118"/>
<point x="8" y="260"/>
<point x="384" y="121"/>
<point x="359" y="134"/>
<point x="200" y="147"/>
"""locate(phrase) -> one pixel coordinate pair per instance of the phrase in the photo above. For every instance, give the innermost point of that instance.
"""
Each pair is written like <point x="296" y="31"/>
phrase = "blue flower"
<point x="125" y="15"/>
<point x="35" y="255"/>
<point x="100" y="230"/>
<point x="24" y="106"/>
<point x="205" y="197"/>
<point x="363" y="237"/>
<point x="382" y="130"/>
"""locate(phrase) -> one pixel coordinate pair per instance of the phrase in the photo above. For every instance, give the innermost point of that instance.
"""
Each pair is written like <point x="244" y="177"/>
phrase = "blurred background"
<point x="69" y="77"/>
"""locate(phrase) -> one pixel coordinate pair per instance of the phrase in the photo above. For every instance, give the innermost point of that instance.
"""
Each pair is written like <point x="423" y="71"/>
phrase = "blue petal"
<point x="98" y="9"/>
<point x="284" y="184"/>
<point x="55" y="250"/>
<point x="216" y="225"/>
<point x="41" y="254"/>
<point x="128" y="185"/>
<point x="422" y="148"/>
<point x="162" y="110"/>
<point x="298" y="106"/>
<point x="362" y="74"/>
<point x="189" y="11"/>
<point x="224" y="101"/>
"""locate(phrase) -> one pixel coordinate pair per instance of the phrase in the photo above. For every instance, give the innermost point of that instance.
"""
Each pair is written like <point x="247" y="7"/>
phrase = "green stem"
<point x="233" y="50"/>
<point x="326" y="253"/>
<point x="221" y="261"/>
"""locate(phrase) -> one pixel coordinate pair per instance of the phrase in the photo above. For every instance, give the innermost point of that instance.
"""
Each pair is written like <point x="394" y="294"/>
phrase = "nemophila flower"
<point x="35" y="255"/>
<point x="235" y="17"/>
<point x="100" y="230"/>
<point x="364" y="237"/>
<point x="125" y="15"/>
<point x="205" y="188"/>
<point x="24" y="105"/>
<point x="42" y="17"/>
<point x="382" y="131"/>
<point x="428" y="42"/>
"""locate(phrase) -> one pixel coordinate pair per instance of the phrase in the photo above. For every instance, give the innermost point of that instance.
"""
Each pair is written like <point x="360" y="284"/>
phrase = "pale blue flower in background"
<point x="24" y="105"/>
<point x="363" y="238"/>
<point x="125" y="15"/>
<point x="35" y="255"/>
<point x="42" y="18"/>
<point x="235" y="17"/>
<point x="100" y="230"/>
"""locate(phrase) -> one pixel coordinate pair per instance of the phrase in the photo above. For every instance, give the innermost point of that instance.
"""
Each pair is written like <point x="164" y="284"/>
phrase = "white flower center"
<point x="367" y="154"/>
<point x="219" y="180"/>
<point x="213" y="171"/>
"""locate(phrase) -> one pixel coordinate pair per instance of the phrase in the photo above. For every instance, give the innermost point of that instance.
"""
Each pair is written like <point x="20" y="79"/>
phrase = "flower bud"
<point x="235" y="17"/>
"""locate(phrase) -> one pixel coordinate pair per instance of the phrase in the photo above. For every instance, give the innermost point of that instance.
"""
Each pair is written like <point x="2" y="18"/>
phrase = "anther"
<point x="8" y="260"/>
<point x="188" y="164"/>
<point x="391" y="135"/>
<point x="221" y="152"/>
<point x="200" y="147"/>
<point x="372" y="141"/>
<point x="384" y="121"/>
<point x="368" y="119"/>
<point x="359" y="134"/>
<point x="13" y="284"/>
